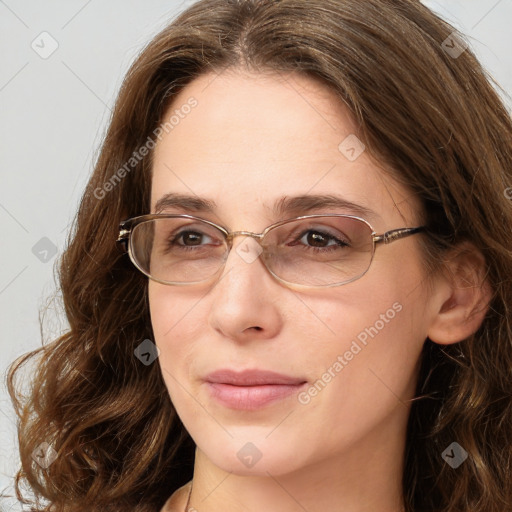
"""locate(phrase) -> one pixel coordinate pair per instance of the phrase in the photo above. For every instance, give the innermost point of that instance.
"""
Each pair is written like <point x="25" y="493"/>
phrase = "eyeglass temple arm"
<point x="396" y="234"/>
<point x="123" y="237"/>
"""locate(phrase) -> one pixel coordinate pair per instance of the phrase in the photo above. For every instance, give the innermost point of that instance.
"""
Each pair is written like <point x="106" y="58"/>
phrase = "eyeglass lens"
<point x="317" y="251"/>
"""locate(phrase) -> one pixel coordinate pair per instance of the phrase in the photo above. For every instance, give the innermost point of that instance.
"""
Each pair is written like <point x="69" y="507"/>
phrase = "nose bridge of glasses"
<point x="233" y="234"/>
<point x="245" y="252"/>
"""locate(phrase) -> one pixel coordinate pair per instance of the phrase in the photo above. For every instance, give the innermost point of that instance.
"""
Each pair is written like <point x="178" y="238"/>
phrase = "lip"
<point x="251" y="389"/>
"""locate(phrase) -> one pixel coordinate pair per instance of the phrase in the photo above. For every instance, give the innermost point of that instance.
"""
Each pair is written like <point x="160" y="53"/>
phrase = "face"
<point x="349" y="353"/>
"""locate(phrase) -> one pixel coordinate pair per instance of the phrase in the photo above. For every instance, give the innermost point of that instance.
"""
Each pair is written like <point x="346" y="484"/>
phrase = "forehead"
<point x="251" y="140"/>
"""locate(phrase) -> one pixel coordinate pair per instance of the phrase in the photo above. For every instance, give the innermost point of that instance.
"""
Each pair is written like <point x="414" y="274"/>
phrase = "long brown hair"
<point x="432" y="117"/>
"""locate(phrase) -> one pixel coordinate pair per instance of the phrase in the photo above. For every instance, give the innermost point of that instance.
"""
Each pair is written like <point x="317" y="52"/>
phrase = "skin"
<point x="250" y="140"/>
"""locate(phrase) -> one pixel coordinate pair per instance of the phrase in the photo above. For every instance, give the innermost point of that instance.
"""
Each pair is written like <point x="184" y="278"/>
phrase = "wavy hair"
<point x="438" y="125"/>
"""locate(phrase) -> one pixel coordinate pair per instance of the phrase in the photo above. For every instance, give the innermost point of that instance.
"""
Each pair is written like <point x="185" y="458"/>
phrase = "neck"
<point x="365" y="477"/>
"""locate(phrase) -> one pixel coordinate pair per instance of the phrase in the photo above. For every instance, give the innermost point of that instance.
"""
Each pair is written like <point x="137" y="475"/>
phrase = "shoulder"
<point x="178" y="500"/>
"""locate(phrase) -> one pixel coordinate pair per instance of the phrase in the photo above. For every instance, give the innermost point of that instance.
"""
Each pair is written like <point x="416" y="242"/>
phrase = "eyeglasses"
<point x="311" y="251"/>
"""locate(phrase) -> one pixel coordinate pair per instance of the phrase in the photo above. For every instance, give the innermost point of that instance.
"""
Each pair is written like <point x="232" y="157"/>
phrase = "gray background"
<point x="54" y="112"/>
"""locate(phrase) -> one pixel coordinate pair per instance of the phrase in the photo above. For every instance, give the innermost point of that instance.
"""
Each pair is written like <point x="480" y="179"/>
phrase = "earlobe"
<point x="465" y="302"/>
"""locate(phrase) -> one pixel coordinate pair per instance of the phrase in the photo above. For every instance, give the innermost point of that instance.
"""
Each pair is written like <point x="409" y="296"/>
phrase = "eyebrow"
<point x="296" y="205"/>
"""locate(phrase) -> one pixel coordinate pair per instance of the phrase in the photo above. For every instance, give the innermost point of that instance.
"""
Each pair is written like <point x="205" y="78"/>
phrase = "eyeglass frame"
<point x="126" y="228"/>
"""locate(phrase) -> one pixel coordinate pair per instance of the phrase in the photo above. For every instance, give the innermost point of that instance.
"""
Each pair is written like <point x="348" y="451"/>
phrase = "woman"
<point x="358" y="355"/>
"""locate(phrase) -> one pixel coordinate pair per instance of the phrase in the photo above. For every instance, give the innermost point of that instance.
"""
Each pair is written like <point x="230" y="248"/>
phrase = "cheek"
<point x="367" y="365"/>
<point x="175" y="328"/>
<point x="178" y="320"/>
<point x="172" y="311"/>
<point x="378" y="335"/>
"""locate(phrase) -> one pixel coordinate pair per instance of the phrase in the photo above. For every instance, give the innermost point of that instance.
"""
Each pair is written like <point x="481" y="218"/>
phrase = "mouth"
<point x="252" y="389"/>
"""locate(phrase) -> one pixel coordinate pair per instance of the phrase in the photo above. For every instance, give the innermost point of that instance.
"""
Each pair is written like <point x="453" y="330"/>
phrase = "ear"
<point x="464" y="298"/>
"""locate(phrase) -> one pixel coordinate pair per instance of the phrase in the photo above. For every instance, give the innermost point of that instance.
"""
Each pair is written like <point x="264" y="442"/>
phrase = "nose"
<point x="245" y="297"/>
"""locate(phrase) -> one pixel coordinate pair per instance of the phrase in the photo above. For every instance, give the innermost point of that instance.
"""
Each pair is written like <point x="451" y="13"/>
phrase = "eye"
<point x="317" y="238"/>
<point x="189" y="238"/>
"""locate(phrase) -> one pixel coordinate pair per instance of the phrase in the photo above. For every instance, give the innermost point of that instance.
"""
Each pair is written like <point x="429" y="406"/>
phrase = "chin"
<point x="251" y="452"/>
